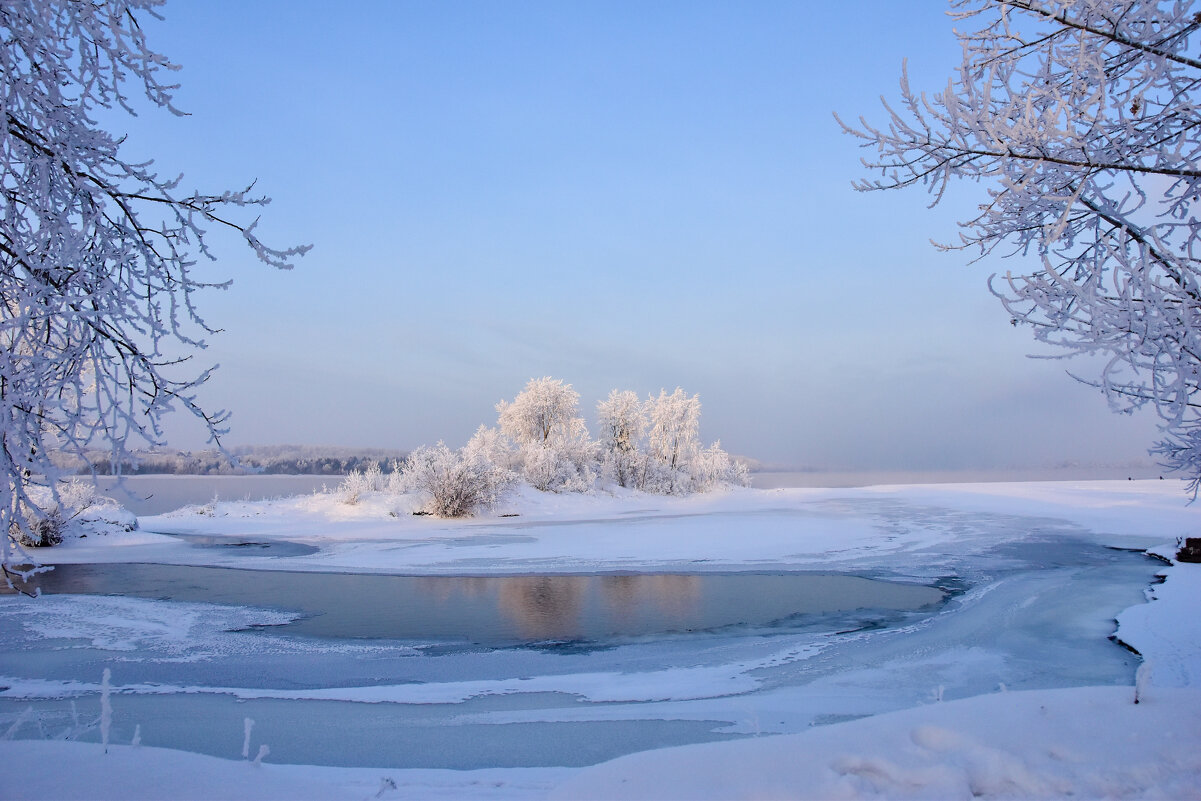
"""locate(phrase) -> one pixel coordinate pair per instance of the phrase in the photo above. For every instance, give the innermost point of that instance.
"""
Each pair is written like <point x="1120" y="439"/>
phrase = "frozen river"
<point x="323" y="689"/>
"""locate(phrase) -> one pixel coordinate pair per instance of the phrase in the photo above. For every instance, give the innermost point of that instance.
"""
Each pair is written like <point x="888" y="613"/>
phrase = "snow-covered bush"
<point x="491" y="444"/>
<point x="72" y="504"/>
<point x="44" y="530"/>
<point x="714" y="468"/>
<point x="570" y="467"/>
<point x="359" y="483"/>
<point x="455" y="483"/>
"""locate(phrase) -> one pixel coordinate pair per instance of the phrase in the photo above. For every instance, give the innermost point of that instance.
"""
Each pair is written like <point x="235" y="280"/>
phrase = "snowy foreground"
<point x="959" y="703"/>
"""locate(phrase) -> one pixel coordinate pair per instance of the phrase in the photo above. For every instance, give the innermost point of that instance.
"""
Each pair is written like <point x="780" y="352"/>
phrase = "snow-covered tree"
<point x="96" y="248"/>
<point x="673" y="436"/>
<point x="622" y="420"/>
<point x="553" y="449"/>
<point x="542" y="413"/>
<point x="655" y="445"/>
<point x="1081" y="118"/>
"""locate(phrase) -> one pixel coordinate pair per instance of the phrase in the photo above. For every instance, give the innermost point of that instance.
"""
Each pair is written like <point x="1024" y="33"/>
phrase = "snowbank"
<point x="1086" y="743"/>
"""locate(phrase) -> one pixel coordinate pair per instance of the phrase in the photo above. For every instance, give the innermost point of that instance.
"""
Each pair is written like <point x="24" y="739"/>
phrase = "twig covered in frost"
<point x="247" y="727"/>
<point x="1081" y="118"/>
<point x="1142" y="680"/>
<point x="106" y="708"/>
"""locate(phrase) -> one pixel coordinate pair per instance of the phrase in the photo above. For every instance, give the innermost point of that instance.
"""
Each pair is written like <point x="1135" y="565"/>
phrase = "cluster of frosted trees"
<point x="651" y="445"/>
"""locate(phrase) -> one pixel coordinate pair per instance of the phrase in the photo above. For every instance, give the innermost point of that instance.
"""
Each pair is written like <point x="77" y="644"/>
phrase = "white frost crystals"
<point x="71" y="508"/>
<point x="1083" y="118"/>
<point x="653" y="446"/>
<point x="97" y="292"/>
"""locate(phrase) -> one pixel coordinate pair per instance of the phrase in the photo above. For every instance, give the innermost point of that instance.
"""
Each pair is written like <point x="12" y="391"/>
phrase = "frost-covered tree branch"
<point x="96" y="250"/>
<point x="1081" y="119"/>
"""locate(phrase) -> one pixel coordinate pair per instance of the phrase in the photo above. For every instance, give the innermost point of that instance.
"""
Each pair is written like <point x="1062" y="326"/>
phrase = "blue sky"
<point x="621" y="195"/>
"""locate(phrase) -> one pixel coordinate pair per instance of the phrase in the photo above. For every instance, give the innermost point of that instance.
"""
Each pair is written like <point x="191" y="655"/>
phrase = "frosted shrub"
<point x="75" y="496"/>
<point x="558" y="469"/>
<point x="492" y="445"/>
<point x="43" y="530"/>
<point x="713" y="467"/>
<point x="352" y="488"/>
<point x="455" y="483"/>
<point x="357" y="484"/>
<point x="51" y="510"/>
<point x="396" y="483"/>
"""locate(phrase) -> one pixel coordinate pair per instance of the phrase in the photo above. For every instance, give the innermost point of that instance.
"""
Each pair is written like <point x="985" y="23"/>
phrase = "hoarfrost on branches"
<point x="96" y="250"/>
<point x="675" y="462"/>
<point x="1082" y="118"/>
<point x="541" y="414"/>
<point x="622" y="421"/>
<point x="553" y="450"/>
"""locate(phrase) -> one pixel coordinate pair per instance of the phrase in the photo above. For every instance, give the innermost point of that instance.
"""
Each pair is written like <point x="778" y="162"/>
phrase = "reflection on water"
<point x="502" y="609"/>
<point x="543" y="607"/>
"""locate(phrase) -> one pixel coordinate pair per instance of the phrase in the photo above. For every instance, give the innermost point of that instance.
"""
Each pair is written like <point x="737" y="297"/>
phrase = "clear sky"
<point x="622" y="195"/>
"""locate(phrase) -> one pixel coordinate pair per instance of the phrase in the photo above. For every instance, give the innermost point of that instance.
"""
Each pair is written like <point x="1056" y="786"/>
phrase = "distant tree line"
<point x="250" y="459"/>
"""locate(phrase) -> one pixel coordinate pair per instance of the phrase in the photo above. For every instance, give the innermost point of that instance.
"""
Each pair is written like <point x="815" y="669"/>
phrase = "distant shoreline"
<point x="779" y="479"/>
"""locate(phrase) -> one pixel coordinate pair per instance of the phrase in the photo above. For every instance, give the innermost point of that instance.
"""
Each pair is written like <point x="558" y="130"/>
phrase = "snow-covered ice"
<point x="1011" y="688"/>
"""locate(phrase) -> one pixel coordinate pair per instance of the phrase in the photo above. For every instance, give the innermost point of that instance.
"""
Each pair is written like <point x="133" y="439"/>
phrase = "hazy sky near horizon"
<point x="622" y="195"/>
